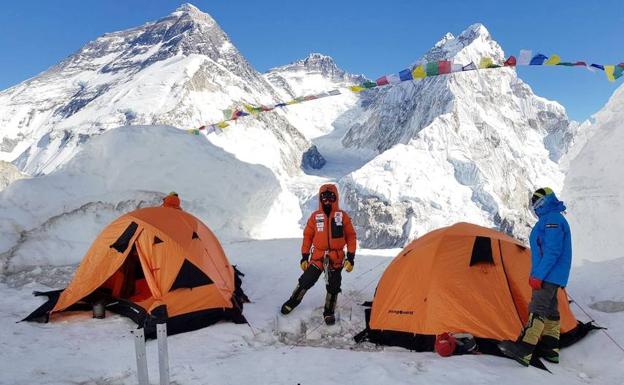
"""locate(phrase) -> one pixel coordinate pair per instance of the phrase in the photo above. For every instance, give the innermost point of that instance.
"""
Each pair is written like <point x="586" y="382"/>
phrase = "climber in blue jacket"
<point x="551" y="258"/>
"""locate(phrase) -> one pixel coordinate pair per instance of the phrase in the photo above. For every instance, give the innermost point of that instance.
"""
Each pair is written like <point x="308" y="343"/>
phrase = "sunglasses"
<point x="328" y="196"/>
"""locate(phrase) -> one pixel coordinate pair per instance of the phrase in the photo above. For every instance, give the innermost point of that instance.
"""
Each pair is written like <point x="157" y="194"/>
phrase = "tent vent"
<point x="157" y="240"/>
<point x="190" y="276"/>
<point x="195" y="236"/>
<point x="481" y="251"/>
<point x="121" y="244"/>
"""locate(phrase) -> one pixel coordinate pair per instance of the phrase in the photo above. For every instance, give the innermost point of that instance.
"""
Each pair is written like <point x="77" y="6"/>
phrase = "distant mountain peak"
<point x="472" y="44"/>
<point x="188" y="10"/>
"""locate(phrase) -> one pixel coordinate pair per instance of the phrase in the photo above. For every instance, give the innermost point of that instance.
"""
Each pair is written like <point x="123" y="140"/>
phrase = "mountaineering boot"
<point x="548" y="347"/>
<point x="522" y="349"/>
<point x="294" y="300"/>
<point x="330" y="307"/>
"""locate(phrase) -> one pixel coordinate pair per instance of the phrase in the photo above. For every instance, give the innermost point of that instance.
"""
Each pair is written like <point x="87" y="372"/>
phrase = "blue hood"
<point x="551" y="204"/>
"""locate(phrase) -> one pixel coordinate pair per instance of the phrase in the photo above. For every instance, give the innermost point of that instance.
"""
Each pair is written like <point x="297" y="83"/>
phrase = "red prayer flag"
<point x="580" y="63"/>
<point x="444" y="67"/>
<point x="202" y="128"/>
<point x="382" y="81"/>
<point x="510" y="62"/>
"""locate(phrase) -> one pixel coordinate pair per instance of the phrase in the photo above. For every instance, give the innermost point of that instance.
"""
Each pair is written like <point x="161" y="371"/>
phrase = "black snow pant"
<point x="312" y="274"/>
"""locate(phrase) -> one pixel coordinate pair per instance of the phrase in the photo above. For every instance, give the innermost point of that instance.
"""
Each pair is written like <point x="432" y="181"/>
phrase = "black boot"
<point x="330" y="306"/>
<point x="294" y="300"/>
<point x="522" y="349"/>
<point x="519" y="351"/>
<point x="548" y="347"/>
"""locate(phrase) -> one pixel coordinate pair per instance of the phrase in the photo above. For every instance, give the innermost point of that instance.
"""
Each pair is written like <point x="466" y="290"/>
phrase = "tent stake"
<point x="141" y="358"/>
<point x="163" y="353"/>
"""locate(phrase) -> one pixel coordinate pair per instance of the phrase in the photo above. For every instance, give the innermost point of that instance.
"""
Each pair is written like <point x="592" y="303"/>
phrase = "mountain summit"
<point x="181" y="70"/>
<point x="464" y="145"/>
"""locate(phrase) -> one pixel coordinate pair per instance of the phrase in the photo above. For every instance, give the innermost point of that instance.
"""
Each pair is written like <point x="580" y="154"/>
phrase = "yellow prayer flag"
<point x="609" y="70"/>
<point x="357" y="88"/>
<point x="486" y="62"/>
<point x="553" y="60"/>
<point x="292" y="102"/>
<point x="222" y="124"/>
<point x="419" y="72"/>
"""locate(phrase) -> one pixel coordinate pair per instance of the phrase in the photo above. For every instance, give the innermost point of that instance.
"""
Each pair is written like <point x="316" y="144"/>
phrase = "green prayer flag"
<point x="432" y="69"/>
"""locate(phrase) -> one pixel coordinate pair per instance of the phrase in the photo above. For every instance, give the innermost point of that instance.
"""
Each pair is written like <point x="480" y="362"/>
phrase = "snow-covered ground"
<point x="297" y="349"/>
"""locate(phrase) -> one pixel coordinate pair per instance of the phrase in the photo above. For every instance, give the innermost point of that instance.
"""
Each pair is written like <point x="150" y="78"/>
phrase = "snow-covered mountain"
<point x="181" y="70"/>
<point x="466" y="146"/>
<point x="315" y="74"/>
<point x="593" y="188"/>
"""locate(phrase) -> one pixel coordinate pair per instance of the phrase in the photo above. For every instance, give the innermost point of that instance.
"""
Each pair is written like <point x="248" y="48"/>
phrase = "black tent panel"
<point x="190" y="276"/>
<point x="121" y="244"/>
<point x="481" y="251"/>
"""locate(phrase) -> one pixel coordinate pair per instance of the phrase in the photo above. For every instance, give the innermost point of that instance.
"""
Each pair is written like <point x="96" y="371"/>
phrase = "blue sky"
<point x="369" y="37"/>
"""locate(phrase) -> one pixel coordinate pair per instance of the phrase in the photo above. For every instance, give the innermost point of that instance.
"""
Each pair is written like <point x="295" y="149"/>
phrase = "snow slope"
<point x="593" y="188"/>
<point x="287" y="350"/>
<point x="52" y="219"/>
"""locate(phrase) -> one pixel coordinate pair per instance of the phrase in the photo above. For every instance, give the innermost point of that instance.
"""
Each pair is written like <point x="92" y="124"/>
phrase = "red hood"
<point x="329" y="187"/>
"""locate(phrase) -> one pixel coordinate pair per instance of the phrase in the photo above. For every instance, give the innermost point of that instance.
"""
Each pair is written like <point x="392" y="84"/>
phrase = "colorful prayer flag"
<point x="357" y="88"/>
<point x="469" y="67"/>
<point x="444" y="67"/>
<point x="609" y="71"/>
<point x="278" y="105"/>
<point x="486" y="62"/>
<point x="619" y="71"/>
<point x="222" y="124"/>
<point x="432" y="69"/>
<point x="382" y="81"/>
<point x="456" y="67"/>
<point x="525" y="57"/>
<point x="210" y="129"/>
<point x="538" y="60"/>
<point x="510" y="62"/>
<point x="553" y="60"/>
<point x="565" y="63"/>
<point x="419" y="72"/>
<point x="369" y="84"/>
<point x="393" y="78"/>
<point x="600" y="67"/>
<point x="334" y="92"/>
<point x="227" y="114"/>
<point x="405" y="75"/>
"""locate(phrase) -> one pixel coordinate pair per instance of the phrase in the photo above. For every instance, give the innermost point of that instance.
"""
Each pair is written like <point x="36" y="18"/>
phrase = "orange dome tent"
<point x="152" y="262"/>
<point x="462" y="278"/>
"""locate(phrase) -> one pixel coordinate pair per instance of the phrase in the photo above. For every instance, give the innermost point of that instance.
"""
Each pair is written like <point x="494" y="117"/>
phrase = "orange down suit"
<point x="328" y="235"/>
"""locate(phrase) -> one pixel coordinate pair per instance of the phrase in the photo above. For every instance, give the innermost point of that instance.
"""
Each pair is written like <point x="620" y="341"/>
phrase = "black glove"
<point x="304" y="261"/>
<point x="351" y="257"/>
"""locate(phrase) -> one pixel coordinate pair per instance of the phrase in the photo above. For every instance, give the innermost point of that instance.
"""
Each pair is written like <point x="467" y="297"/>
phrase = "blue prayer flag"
<point x="538" y="60"/>
<point x="405" y="75"/>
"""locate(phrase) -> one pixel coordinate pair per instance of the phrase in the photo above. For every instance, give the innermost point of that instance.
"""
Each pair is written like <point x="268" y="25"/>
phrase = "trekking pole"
<point x="141" y="358"/>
